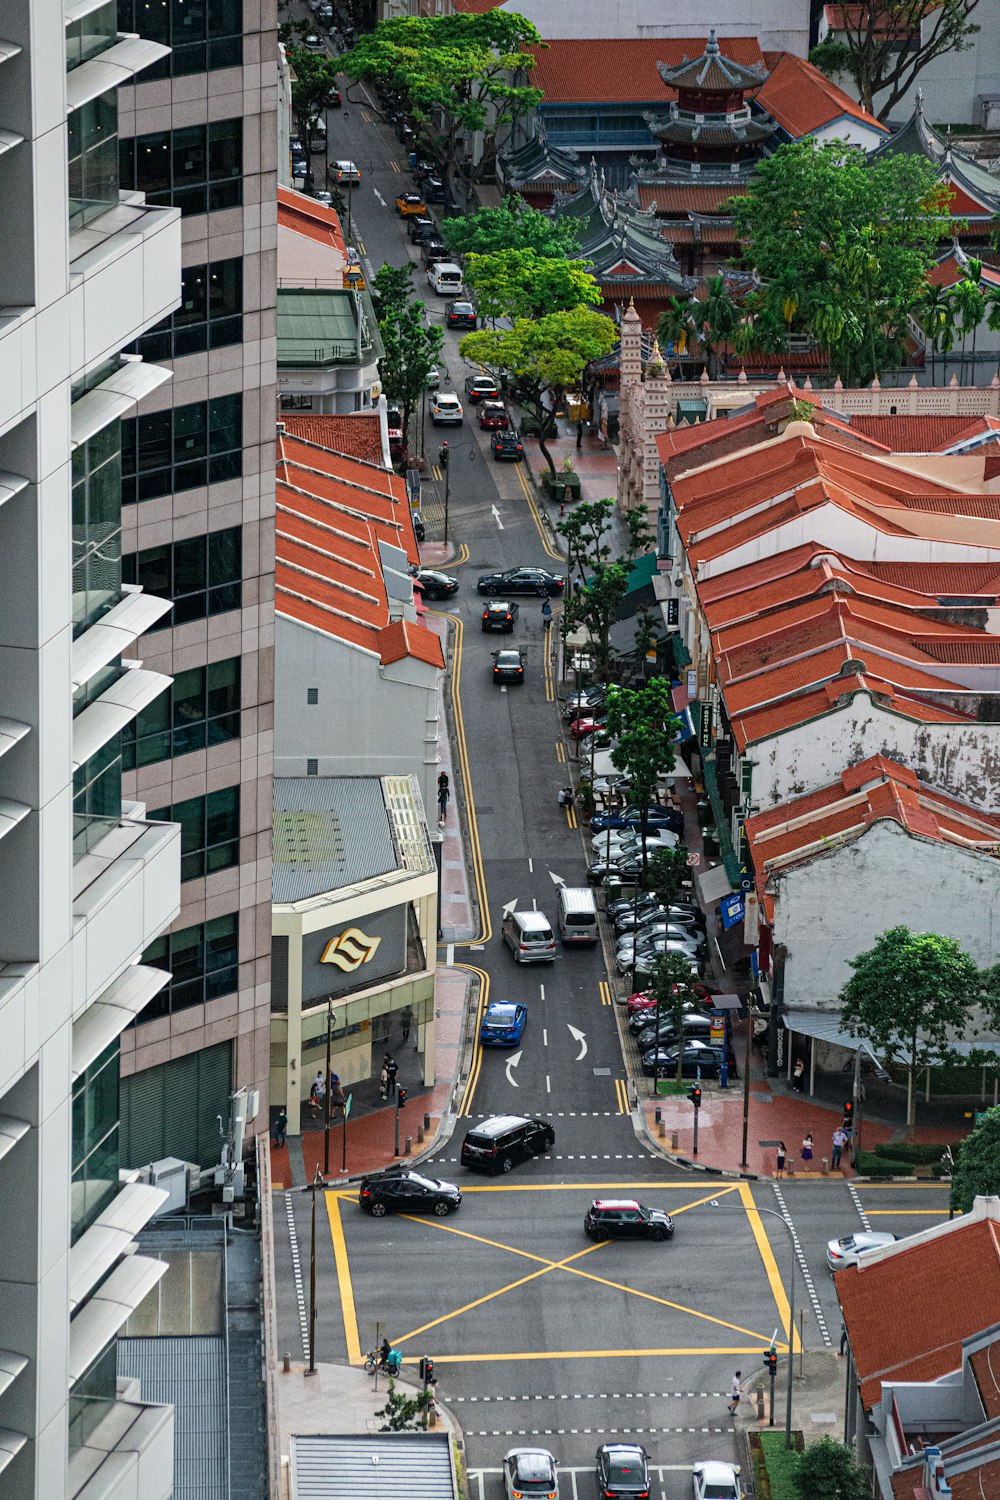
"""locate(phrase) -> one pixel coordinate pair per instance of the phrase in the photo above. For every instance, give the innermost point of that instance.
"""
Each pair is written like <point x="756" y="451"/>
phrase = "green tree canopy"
<point x="977" y="1166"/>
<point x="642" y="722"/>
<point x="545" y="356"/>
<point x="829" y="1469"/>
<point x="512" y="226"/>
<point x="871" y="53"/>
<point x="411" y="346"/>
<point x="601" y="579"/>
<point x="524" y="284"/>
<point x="672" y="986"/>
<point x="314" y="88"/>
<point x="455" y="72"/>
<point x="843" y="247"/>
<point x="911" y="995"/>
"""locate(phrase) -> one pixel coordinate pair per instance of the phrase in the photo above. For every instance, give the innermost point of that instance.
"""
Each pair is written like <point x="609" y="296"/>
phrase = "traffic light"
<point x="849" y="1112"/>
<point x="443" y="455"/>
<point x="427" y="1371"/>
<point x="694" y="1094"/>
<point x="771" y="1362"/>
<point x="401" y="1098"/>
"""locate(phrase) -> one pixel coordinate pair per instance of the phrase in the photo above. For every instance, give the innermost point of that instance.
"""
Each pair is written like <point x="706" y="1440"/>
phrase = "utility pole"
<point x="746" y="1106"/>
<point x="316" y="1182"/>
<point x="443" y="461"/>
<point x="400" y="1104"/>
<point x="327" y="1090"/>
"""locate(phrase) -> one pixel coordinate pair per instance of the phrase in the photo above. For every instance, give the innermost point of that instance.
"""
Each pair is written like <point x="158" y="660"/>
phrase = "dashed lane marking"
<point x="617" y="1432"/>
<point x="300" y="1296"/>
<point x="593" y="1396"/>
<point x="858" y="1205"/>
<point x="804" y="1268"/>
<point x="606" y="1156"/>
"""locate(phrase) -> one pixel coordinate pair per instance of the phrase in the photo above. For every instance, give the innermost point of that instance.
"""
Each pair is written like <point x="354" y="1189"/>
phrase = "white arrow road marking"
<point x="379" y="196"/>
<point x="512" y="1062"/>
<point x="496" y="517"/>
<point x="556" y="880"/>
<point x="579" y="1036"/>
<point x="510" y="906"/>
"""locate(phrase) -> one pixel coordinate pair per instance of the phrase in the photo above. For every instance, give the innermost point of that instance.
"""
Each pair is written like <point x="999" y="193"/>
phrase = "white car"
<point x="717" y="1481"/>
<point x="530" y="1472"/>
<point x="847" y="1252"/>
<point x="433" y="380"/>
<point x="627" y="838"/>
<point x="446" y="407"/>
<point x="344" y="171"/>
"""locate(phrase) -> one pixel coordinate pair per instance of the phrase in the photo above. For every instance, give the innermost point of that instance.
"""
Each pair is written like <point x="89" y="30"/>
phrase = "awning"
<point x="827" y="1026"/>
<point x="713" y="884"/>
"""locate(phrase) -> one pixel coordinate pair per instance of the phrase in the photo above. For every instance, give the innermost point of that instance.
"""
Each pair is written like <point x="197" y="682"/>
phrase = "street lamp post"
<point x="791" y="1319"/>
<point x="327" y="1091"/>
<point x="316" y="1182"/>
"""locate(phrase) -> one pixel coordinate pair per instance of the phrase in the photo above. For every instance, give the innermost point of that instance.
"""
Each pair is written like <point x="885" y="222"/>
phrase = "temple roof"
<point x="538" y="161"/>
<point x="976" y="190"/>
<point x="713" y="130"/>
<point x="622" y="243"/>
<point x="712" y="72"/>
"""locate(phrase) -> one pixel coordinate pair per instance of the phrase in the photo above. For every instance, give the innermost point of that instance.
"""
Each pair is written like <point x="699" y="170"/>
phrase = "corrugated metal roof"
<point x="329" y="832"/>
<point x="383" y="1467"/>
<point x="190" y="1374"/>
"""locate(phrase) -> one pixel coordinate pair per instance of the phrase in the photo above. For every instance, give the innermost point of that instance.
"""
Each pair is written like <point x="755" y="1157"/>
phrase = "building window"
<point x="312" y="767"/>
<point x="97" y="526"/>
<point x="95" y="1141"/>
<point x="92" y="1396"/>
<point x="312" y="695"/>
<point x="209" y="316"/>
<point x="201" y="708"/>
<point x="197" y="169"/>
<point x="296" y="403"/>
<point x="202" y="575"/>
<point x="97" y="797"/>
<point x="92" y="35"/>
<point x="203" y="962"/>
<point x="210" y="831"/>
<point x="93" y="159"/>
<point x="182" y="448"/>
<point x="204" y="34"/>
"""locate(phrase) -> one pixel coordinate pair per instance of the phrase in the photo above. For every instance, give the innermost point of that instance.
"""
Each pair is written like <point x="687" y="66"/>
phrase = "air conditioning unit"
<point x="174" y="1176"/>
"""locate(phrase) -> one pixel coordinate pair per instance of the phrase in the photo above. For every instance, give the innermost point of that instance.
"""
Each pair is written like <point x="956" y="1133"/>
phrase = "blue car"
<point x="503" y="1024"/>
<point x="631" y="817"/>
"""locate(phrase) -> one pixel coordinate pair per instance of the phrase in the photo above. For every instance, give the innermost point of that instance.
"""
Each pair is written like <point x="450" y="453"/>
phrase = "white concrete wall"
<point x="957" y="758"/>
<point x="780" y="25"/>
<point x="370" y="720"/>
<point x="834" y="907"/>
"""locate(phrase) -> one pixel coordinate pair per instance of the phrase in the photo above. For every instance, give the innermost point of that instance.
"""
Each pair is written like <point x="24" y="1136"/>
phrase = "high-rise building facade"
<point x="88" y="880"/>
<point x="197" y="133"/>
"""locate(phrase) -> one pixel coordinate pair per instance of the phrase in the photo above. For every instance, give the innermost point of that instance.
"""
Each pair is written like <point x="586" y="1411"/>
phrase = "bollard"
<point x="658" y="1114"/>
<point x="432" y="1415"/>
<point x="420" y="1135"/>
<point x="824" y="1165"/>
<point x="427" y="1121"/>
<point x="674" y="1140"/>
<point x="409" y="1145"/>
<point x="661" y="1130"/>
<point x="286" y="1365"/>
<point x="760" y="1403"/>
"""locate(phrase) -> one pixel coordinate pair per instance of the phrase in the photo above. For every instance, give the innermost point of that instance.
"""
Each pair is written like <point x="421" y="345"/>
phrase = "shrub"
<point x="919" y="1155"/>
<point x="828" y="1469"/>
<point x="782" y="1466"/>
<point x="869" y="1164"/>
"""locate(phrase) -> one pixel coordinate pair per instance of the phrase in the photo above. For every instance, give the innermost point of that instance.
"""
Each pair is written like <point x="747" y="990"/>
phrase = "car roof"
<point x="500" y="1124"/>
<point x="496" y="604"/>
<point x="509" y="656"/>
<point x="612" y="1449"/>
<point x="502" y="1005"/>
<point x="714" y="1468"/>
<point x="616" y="1203"/>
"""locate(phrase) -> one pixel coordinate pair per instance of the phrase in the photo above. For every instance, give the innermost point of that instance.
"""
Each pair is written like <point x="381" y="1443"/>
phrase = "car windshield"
<point x="418" y="1181"/>
<point x="715" y="1491"/>
<point x="502" y="1016"/>
<point x="532" y="1468"/>
<point x="624" y="1470"/>
<point x="847" y="1243"/>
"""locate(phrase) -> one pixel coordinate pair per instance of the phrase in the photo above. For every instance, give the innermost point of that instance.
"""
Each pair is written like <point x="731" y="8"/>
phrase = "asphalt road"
<point x="540" y="1337"/>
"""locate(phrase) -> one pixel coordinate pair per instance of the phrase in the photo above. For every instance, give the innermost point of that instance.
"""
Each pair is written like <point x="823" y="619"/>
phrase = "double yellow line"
<point x="470" y="802"/>
<point x="570" y="812"/>
<point x="621" y="1090"/>
<point x="604" y="989"/>
<point x="465" y="1104"/>
<point x="536" y="516"/>
<point x="548" y="671"/>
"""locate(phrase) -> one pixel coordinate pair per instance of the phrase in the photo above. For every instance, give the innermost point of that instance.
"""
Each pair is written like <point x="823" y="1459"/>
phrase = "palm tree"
<point x="935" y="314"/>
<point x="674" y="325"/>
<point x="993" y="315"/>
<point x="787" y="294"/>
<point x="720" y="314"/>
<point x="971" y="309"/>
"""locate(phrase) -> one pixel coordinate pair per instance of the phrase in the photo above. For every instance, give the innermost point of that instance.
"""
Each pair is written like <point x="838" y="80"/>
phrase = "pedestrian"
<point x="547" y="613"/>
<point x="280" y="1126"/>
<point x="316" y="1095"/>
<point x="566" y="796"/>
<point x="391" y="1069"/>
<point x="843" y="1338"/>
<point x="406" y="1021"/>
<point x="779" y="1170"/>
<point x="443" y="783"/>
<point x="839" y="1142"/>
<point x="338" y="1098"/>
<point x="383" y="1081"/>
<point x="579" y="434"/>
<point x="735" y="1393"/>
<point x="798" y="1073"/>
<point x="807" y="1149"/>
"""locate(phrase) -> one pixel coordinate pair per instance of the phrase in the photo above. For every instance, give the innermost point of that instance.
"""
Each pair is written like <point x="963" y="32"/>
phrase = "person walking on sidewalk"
<point x="779" y="1169"/>
<point x="391" y="1069"/>
<point x="406" y="1021"/>
<point x="807" y="1149"/>
<point x="735" y="1392"/>
<point x="798" y="1073"/>
<point x="547" y="613"/>
<point x="280" y="1127"/>
<point x="839" y="1142"/>
<point x="383" y="1080"/>
<point x="444" y="792"/>
<point x="316" y="1095"/>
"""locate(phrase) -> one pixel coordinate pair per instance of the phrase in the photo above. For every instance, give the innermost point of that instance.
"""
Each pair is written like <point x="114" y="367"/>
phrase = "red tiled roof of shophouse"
<point x="402" y="638"/>
<point x="356" y="436"/>
<point x="950" y="270"/>
<point x="802" y="99"/>
<point x="305" y="216"/>
<point x="986" y="1369"/>
<point x="944" y="1283"/>
<point x="918" y="633"/>
<point x="757" y="724"/>
<point x="853" y="17"/>
<point x="770" y="684"/>
<point x="622" y="70"/>
<point x="959" y="580"/>
<point x="822" y="577"/>
<point x="918" y="434"/>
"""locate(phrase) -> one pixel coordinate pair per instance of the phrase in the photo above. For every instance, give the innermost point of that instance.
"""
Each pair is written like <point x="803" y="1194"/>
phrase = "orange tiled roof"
<point x="356" y="436"/>
<point x="757" y="724"/>
<point x="851" y="17"/>
<point x="919" y="434"/>
<point x="299" y="212"/>
<point x="945" y="1282"/>
<point x="402" y="638"/>
<point x="671" y="199"/>
<point x="770" y="682"/>
<point x="986" y="1368"/>
<point x="940" y="580"/>
<point x="802" y="99"/>
<point x="622" y="70"/>
<point x="820" y="574"/>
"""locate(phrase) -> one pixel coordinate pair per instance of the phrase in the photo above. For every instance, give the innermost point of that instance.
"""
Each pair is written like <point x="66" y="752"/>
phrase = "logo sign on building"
<point x="337" y="960"/>
<point x="350" y="949"/>
<point x="692" y="682"/>
<point x="673" y="611"/>
<point x="731" y="910"/>
<point x="705" y="732"/>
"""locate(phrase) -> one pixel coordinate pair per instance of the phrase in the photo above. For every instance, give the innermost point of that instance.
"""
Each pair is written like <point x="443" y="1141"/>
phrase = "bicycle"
<point x="375" y="1363"/>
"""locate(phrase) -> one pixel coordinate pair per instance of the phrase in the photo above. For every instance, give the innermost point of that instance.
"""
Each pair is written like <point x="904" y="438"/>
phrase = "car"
<point x="693" y="1026"/>
<point x="431" y="251"/>
<point x="434" y="190"/>
<point x="345" y="172"/>
<point x="394" y="426"/>
<point x="622" y="1471"/>
<point x="697" y="1060"/>
<point x="717" y="1481"/>
<point x="334" y="100"/>
<point x="481" y="388"/>
<point x="324" y="197"/>
<point x="421" y="230"/>
<point x="646" y="937"/>
<point x="503" y="1024"/>
<point x="508" y="666"/>
<point x="530" y="1474"/>
<point x="683" y="916"/>
<point x="627" y="870"/>
<point x="506" y="444"/>
<point x="408" y="1192"/>
<point x="446" y="407"/>
<point x="626" y="1219"/>
<point x="408" y="204"/>
<point x="497" y="1144"/>
<point x="628" y="841"/>
<point x="434" y="584"/>
<point x="631" y="817"/>
<point x="584" y="728"/>
<point x="535" y="581"/>
<point x="314" y="42"/>
<point x="493" y="415"/>
<point x="594" y="697"/>
<point x="422" y="170"/>
<point x="848" y="1251"/>
<point x="433" y="381"/>
<point x="461" y="315"/>
<point x="500" y="614"/>
<point x="644" y="958"/>
<point x="419" y="529"/>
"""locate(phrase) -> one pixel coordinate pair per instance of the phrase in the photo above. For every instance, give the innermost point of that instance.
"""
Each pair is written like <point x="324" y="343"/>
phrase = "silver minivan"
<point x="528" y="935"/>
<point x="576" y="915"/>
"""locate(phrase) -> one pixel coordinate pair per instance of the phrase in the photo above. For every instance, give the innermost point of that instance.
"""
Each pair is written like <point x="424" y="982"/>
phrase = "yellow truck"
<point x="408" y="204"/>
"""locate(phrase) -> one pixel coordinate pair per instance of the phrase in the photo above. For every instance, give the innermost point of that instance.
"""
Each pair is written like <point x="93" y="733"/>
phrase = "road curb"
<point x="695" y="1166"/>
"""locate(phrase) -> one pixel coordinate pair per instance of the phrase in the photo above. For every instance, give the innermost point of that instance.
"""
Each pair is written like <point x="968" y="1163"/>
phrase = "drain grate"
<point x="769" y="1143"/>
<point x="602" y="1072"/>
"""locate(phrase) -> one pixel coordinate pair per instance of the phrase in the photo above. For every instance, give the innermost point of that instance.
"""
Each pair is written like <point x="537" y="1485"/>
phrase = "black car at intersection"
<point x="506" y="443"/>
<point x="626" y="1219"/>
<point x="537" y="581"/>
<point x="408" y="1193"/>
<point x="435" y="585"/>
<point x="499" y="614"/>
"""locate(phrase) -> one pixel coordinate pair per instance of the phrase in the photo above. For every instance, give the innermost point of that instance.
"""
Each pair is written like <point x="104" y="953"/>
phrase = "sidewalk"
<point x="339" y="1399"/>
<point x="817" y="1396"/>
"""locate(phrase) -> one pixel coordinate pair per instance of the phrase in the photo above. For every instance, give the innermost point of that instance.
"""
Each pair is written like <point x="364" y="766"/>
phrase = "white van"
<point x="576" y="915"/>
<point x="445" y="278"/>
<point x="528" y="935"/>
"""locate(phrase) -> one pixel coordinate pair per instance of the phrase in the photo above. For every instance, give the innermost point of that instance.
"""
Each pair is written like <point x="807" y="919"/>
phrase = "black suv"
<point x="625" y="1219"/>
<point x="408" y="1193"/>
<point x="495" y="1145"/>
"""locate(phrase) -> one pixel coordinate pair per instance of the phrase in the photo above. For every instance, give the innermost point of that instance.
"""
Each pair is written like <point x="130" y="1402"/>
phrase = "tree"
<point x="454" y="72"/>
<point x="403" y="1413"/>
<point x="586" y="530"/>
<point x="855" y="239"/>
<point x="523" y="284"/>
<point x="971" y="309"/>
<point x="675" y="325"/>
<point x="871" y="49"/>
<point x="411" y="346"/>
<point x="911" y="994"/>
<point x="673" y="990"/>
<point x="314" y="88"/>
<point x="829" y="1468"/>
<point x="936" y="314"/>
<point x="977" y="1167"/>
<point x="512" y="226"/>
<point x="720" y="313"/>
<point x="601" y="579"/>
<point x="546" y="356"/>
<point x="643" y="723"/>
